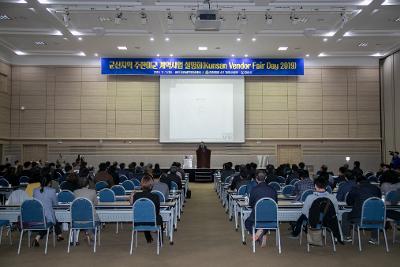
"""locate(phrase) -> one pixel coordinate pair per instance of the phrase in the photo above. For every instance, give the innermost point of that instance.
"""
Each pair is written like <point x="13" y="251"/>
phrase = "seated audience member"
<point x="342" y="176"/>
<point x="293" y="174"/>
<point x="239" y="179"/>
<point x="113" y="171"/>
<point x="357" y="170"/>
<point x="173" y="176"/>
<point x="323" y="172"/>
<point x="271" y="174"/>
<point x="85" y="192"/>
<point x="261" y="190"/>
<point x="356" y="197"/>
<point x="389" y="179"/>
<point x="148" y="169"/>
<point x="346" y="186"/>
<point x="103" y="175"/>
<point x="304" y="184"/>
<point x="180" y="170"/>
<point x="83" y="170"/>
<point x="48" y="197"/>
<point x="302" y="167"/>
<point x="147" y="186"/>
<point x="139" y="169"/>
<point x="71" y="182"/>
<point x="132" y="167"/>
<point x="27" y="169"/>
<point x="320" y="184"/>
<point x="253" y="182"/>
<point x="17" y="197"/>
<point x="395" y="162"/>
<point x="162" y="187"/>
<point x="227" y="171"/>
<point x="165" y="178"/>
<point x="33" y="184"/>
<point x="157" y="171"/>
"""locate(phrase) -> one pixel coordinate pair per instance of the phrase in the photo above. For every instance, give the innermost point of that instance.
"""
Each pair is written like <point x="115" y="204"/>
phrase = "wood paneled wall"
<point x="78" y="102"/>
<point x="5" y="96"/>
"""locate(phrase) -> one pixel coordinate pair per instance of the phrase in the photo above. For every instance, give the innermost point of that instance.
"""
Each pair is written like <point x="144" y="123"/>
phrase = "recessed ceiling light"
<point x="75" y="32"/>
<point x="202" y="48"/>
<point x="238" y="39"/>
<point x="321" y="55"/>
<point x="339" y="40"/>
<point x="397" y="20"/>
<point x="377" y="55"/>
<point x="81" y="54"/>
<point x="122" y="48"/>
<point x="158" y="55"/>
<point x="374" y="11"/>
<point x="246" y="55"/>
<point x="253" y="39"/>
<point x="40" y="43"/>
<point x="166" y="39"/>
<point x="19" y="53"/>
<point x="65" y="38"/>
<point x="363" y="44"/>
<point x="96" y="55"/>
<point x="307" y="55"/>
<point x="330" y="34"/>
<point x="80" y="38"/>
<point x="233" y="55"/>
<point x="325" y="40"/>
<point x="151" y="39"/>
<point x="57" y="32"/>
<point x="4" y="17"/>
<point x="365" y="2"/>
<point x="171" y="55"/>
<point x="283" y="48"/>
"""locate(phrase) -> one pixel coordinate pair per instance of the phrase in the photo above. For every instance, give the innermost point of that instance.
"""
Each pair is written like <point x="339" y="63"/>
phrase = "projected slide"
<point x="201" y="109"/>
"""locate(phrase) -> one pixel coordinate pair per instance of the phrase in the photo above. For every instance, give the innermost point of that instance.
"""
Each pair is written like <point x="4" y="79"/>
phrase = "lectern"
<point x="203" y="156"/>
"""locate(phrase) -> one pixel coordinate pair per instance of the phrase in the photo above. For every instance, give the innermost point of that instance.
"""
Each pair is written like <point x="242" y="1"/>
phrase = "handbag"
<point x="314" y="235"/>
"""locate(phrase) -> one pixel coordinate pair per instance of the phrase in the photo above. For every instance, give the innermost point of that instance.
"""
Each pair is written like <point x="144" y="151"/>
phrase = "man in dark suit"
<point x="356" y="197"/>
<point x="260" y="191"/>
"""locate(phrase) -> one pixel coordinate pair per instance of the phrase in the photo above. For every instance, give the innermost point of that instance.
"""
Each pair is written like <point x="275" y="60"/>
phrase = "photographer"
<point x="395" y="163"/>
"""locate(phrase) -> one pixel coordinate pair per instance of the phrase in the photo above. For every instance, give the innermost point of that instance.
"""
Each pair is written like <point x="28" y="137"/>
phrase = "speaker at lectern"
<point x="203" y="156"/>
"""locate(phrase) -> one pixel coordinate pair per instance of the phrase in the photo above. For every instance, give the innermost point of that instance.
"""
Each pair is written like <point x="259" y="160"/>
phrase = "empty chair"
<point x="275" y="185"/>
<point x="144" y="219"/>
<point x="136" y="182"/>
<point x="266" y="218"/>
<point x="33" y="219"/>
<point x="23" y="179"/>
<point x="373" y="217"/>
<point x="160" y="195"/>
<point x="288" y="190"/>
<point x="5" y="223"/>
<point x="128" y="185"/>
<point x="4" y="182"/>
<point x="65" y="196"/>
<point x="174" y="186"/>
<point x="119" y="190"/>
<point x="101" y="185"/>
<point x="294" y="181"/>
<point x="122" y="178"/>
<point x="305" y="194"/>
<point x="83" y="218"/>
<point x="242" y="190"/>
<point x="106" y="195"/>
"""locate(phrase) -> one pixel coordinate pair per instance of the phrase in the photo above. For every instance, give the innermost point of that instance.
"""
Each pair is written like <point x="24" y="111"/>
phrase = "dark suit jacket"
<point x="176" y="179"/>
<point x="260" y="191"/>
<point x="358" y="194"/>
<point x="154" y="198"/>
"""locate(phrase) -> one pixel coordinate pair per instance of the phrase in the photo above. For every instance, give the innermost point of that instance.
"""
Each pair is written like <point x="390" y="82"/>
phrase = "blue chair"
<point x="106" y="195"/>
<point x="5" y="223"/>
<point x="65" y="196"/>
<point x="174" y="186"/>
<point x="275" y="185"/>
<point x="122" y="178"/>
<point x="393" y="197"/>
<point x="63" y="185"/>
<point x="373" y="217"/>
<point x="101" y="185"/>
<point x="23" y="179"/>
<point x="373" y="179"/>
<point x="281" y="179"/>
<point x="136" y="182"/>
<point x="119" y="190"/>
<point x="294" y="181"/>
<point x="4" y="182"/>
<point x="144" y="219"/>
<point x="305" y="194"/>
<point x="266" y="218"/>
<point x="33" y="219"/>
<point x="128" y="185"/>
<point x="83" y="218"/>
<point x="228" y="180"/>
<point x="160" y="195"/>
<point x="242" y="190"/>
<point x="288" y="190"/>
<point x="329" y="189"/>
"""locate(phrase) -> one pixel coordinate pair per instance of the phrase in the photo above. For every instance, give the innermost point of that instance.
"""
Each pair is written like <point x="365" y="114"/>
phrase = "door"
<point x="291" y="154"/>
<point x="34" y="153"/>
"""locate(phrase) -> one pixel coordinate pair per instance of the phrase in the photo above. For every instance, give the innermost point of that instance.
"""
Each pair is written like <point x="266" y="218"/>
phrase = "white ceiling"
<point x="371" y="21"/>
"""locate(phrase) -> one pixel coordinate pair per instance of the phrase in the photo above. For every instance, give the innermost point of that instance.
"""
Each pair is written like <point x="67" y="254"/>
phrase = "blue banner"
<point x="203" y="66"/>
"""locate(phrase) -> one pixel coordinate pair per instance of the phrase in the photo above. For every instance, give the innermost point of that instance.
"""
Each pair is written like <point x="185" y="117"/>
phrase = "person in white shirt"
<point x="17" y="197"/>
